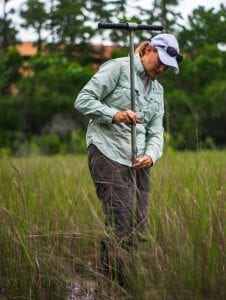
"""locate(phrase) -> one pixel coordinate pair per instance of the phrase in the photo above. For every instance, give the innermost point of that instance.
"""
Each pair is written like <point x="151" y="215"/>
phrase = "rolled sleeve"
<point x="154" y="138"/>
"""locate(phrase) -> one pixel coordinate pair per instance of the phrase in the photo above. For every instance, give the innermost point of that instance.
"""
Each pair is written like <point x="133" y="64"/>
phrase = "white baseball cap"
<point x="168" y="50"/>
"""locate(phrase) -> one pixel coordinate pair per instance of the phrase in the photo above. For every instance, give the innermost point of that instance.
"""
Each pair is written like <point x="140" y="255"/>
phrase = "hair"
<point x="141" y="49"/>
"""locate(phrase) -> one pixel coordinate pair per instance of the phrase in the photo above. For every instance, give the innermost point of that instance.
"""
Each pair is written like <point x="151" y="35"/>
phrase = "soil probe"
<point x="131" y="28"/>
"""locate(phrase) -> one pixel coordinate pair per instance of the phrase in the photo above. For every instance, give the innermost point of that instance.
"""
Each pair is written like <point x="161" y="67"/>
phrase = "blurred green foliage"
<point x="10" y="62"/>
<point x="196" y="101"/>
<point x="37" y="95"/>
<point x="41" y="112"/>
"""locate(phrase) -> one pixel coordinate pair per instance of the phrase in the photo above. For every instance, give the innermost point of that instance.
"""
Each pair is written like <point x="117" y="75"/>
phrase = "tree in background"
<point x="73" y="27"/>
<point x="35" y="16"/>
<point x="10" y="63"/>
<point x="71" y="18"/>
<point x="52" y="22"/>
<point x="98" y="12"/>
<point x="118" y="14"/>
<point x="49" y="92"/>
<point x="160" y="12"/>
<point x="42" y="110"/>
<point x="195" y="100"/>
<point x="164" y="11"/>
<point x="204" y="27"/>
<point x="7" y="30"/>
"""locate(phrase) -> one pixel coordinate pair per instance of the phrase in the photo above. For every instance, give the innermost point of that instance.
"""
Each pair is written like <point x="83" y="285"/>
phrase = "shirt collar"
<point x="138" y="66"/>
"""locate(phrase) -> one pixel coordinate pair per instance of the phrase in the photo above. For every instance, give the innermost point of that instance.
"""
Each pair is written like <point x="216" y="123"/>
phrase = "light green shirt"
<point x="107" y="93"/>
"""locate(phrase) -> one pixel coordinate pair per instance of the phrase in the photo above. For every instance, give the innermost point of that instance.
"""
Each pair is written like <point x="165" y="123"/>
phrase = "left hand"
<point x="143" y="162"/>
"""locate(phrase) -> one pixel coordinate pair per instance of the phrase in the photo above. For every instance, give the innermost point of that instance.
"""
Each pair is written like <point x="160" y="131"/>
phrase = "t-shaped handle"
<point x="129" y="26"/>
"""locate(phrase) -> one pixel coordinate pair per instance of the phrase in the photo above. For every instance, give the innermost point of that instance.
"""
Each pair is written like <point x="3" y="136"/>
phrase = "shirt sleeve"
<point x="90" y="100"/>
<point x="154" y="138"/>
<point x="155" y="130"/>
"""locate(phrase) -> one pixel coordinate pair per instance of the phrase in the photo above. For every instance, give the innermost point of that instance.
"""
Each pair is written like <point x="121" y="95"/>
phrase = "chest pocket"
<point x="119" y="98"/>
<point x="148" y="107"/>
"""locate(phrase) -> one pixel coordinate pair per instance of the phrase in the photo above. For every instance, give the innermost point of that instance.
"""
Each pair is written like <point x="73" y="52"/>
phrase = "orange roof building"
<point x="27" y="49"/>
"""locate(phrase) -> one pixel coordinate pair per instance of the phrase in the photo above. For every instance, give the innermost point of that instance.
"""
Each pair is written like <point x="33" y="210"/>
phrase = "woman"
<point x="106" y="100"/>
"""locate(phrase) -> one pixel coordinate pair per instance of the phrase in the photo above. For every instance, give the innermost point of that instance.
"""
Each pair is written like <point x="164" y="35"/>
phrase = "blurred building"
<point x="99" y="54"/>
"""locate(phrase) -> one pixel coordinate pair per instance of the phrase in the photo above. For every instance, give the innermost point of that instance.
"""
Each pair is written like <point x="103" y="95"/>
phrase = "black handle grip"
<point x="113" y="26"/>
<point x="150" y="27"/>
<point x="127" y="26"/>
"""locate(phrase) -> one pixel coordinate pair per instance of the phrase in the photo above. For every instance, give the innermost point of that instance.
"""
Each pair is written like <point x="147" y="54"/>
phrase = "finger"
<point x="124" y="117"/>
<point x="133" y="119"/>
<point x="127" y="120"/>
<point x="141" y="163"/>
<point x="132" y="116"/>
<point x="130" y="120"/>
<point x="138" y="162"/>
<point x="138" y="167"/>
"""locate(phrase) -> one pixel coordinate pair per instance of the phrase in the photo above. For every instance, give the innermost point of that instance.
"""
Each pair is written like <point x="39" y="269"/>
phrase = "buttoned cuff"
<point x="107" y="115"/>
<point x="154" y="153"/>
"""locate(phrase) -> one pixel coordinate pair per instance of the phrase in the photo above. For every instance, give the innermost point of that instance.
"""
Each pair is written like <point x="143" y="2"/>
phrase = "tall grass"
<point x="52" y="222"/>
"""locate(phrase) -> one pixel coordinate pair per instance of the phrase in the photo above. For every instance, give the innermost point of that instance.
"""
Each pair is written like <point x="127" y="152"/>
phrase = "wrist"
<point x="150" y="160"/>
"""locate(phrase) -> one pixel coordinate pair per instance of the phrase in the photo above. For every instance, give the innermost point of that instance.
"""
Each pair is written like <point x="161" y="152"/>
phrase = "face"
<point x="152" y="64"/>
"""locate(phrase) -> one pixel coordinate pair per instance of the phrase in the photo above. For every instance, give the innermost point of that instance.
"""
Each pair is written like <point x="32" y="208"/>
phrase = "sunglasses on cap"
<point x="172" y="52"/>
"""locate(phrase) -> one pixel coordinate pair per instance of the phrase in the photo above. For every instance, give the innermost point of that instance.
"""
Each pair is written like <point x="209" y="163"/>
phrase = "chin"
<point x="153" y="77"/>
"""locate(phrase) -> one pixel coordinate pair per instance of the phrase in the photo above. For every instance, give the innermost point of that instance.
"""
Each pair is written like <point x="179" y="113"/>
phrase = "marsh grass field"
<point x="52" y="222"/>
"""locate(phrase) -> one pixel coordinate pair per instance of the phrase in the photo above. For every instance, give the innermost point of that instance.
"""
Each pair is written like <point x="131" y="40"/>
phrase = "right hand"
<point x="128" y="117"/>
